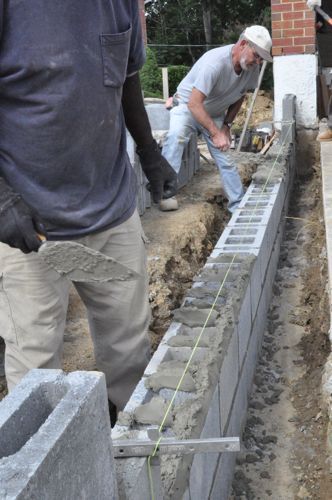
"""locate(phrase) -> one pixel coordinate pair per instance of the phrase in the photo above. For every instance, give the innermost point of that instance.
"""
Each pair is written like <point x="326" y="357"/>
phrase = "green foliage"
<point x="150" y="75"/>
<point x="175" y="28"/>
<point x="175" y="75"/>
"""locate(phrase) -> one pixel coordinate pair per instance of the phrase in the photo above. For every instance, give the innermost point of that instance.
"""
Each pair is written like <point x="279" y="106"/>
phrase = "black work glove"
<point x="18" y="223"/>
<point x="161" y="176"/>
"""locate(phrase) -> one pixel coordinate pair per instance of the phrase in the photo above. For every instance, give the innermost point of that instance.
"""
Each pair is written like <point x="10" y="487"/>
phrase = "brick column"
<point x="293" y="28"/>
<point x="143" y="22"/>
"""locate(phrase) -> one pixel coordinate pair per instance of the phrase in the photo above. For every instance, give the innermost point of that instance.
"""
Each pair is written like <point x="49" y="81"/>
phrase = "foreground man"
<point x="68" y="82"/>
<point x="209" y="98"/>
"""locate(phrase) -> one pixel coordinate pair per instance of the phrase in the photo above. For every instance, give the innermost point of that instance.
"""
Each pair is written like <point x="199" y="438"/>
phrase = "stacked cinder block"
<point x="55" y="438"/>
<point x="159" y="120"/>
<point x="223" y="318"/>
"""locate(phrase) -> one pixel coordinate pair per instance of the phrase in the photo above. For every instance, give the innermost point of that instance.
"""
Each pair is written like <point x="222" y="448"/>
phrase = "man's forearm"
<point x="203" y="118"/>
<point x="233" y="110"/>
<point x="136" y="118"/>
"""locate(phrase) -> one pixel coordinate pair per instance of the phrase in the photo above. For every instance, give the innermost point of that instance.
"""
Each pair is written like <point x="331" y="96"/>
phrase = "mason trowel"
<point x="80" y="263"/>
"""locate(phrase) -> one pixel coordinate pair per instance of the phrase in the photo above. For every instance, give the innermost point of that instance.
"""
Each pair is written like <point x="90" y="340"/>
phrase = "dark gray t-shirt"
<point x="62" y="132"/>
<point x="214" y="75"/>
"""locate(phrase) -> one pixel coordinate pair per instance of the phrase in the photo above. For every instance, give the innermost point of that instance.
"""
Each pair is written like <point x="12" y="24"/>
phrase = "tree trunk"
<point x="206" y="6"/>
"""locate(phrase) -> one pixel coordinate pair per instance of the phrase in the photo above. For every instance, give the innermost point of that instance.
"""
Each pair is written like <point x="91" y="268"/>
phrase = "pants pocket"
<point x="115" y="53"/>
<point x="7" y="326"/>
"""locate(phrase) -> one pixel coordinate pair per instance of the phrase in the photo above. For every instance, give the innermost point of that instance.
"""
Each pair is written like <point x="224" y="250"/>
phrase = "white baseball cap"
<point x="260" y="39"/>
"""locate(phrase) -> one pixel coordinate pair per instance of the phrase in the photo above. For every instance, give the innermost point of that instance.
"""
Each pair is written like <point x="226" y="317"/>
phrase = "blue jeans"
<point x="182" y="125"/>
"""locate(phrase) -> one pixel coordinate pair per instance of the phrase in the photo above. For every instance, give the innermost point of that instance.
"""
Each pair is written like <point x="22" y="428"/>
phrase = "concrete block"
<point x="249" y="363"/>
<point x="237" y="416"/>
<point x="186" y="496"/>
<point x="140" y="396"/>
<point x="244" y="324"/>
<point x="248" y="216"/>
<point x="223" y="477"/>
<point x="133" y="480"/>
<point x="244" y="235"/>
<point x="204" y="464"/>
<point x="256" y="284"/>
<point x="287" y="134"/>
<point x="158" y="115"/>
<point x="229" y="375"/>
<point x="56" y="438"/>
<point x="183" y="175"/>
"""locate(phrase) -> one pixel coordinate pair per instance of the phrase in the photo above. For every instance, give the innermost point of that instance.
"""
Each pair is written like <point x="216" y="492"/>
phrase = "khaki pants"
<point x="33" y="307"/>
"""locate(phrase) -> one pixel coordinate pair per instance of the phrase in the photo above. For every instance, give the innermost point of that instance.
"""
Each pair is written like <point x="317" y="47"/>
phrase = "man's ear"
<point x="243" y="44"/>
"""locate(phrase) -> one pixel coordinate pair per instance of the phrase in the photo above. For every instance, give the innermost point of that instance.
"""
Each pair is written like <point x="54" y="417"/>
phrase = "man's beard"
<point x="243" y="64"/>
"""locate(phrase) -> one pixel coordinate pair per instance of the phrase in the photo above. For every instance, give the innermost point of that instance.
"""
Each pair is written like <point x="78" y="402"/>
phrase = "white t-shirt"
<point x="214" y="75"/>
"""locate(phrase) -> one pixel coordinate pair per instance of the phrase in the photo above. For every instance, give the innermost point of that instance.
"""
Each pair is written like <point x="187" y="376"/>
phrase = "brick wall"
<point x="293" y="28"/>
<point x="142" y="14"/>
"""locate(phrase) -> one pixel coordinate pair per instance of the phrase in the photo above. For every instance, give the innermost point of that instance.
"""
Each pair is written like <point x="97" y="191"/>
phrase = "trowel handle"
<point x="41" y="237"/>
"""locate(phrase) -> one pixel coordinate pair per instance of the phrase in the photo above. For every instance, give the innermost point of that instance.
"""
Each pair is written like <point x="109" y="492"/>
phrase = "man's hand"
<point x="18" y="224"/>
<point x="161" y="176"/>
<point x="314" y="3"/>
<point x="222" y="139"/>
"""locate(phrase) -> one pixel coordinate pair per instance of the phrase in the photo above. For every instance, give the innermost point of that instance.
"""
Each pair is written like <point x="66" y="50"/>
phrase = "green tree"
<point x="150" y="76"/>
<point x="181" y="30"/>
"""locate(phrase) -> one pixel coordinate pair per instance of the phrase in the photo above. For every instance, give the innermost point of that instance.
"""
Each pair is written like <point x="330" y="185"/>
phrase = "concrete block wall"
<point x="221" y="371"/>
<point x="55" y="438"/>
<point x="159" y="121"/>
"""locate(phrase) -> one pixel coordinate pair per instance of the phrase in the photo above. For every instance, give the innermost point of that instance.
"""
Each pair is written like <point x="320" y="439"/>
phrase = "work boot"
<point x="168" y="204"/>
<point x="325" y="136"/>
<point x="113" y="412"/>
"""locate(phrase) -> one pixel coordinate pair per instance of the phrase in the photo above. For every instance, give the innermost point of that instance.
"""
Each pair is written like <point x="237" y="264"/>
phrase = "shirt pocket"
<point x="115" y="54"/>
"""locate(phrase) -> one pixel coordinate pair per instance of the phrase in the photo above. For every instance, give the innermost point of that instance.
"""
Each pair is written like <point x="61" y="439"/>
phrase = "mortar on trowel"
<point x="83" y="264"/>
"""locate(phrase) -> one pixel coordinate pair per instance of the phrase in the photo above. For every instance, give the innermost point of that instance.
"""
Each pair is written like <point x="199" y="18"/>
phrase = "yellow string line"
<point x="304" y="220"/>
<point x="200" y="336"/>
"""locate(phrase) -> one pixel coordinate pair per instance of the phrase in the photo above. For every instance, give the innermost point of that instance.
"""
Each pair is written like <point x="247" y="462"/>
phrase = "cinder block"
<point x="204" y="464"/>
<point x="158" y="115"/>
<point x="186" y="496"/>
<point x="244" y="216"/>
<point x="249" y="363"/>
<point x="229" y="375"/>
<point x="244" y="235"/>
<point x="256" y="284"/>
<point x="56" y="438"/>
<point x="223" y="477"/>
<point x="287" y="134"/>
<point x="244" y="324"/>
<point x="133" y="480"/>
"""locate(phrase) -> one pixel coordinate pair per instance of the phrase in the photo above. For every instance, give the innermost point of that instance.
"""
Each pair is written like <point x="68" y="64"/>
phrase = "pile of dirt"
<point x="262" y="110"/>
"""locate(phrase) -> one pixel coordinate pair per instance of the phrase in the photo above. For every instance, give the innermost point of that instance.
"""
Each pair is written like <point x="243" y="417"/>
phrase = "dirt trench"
<point x="284" y="442"/>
